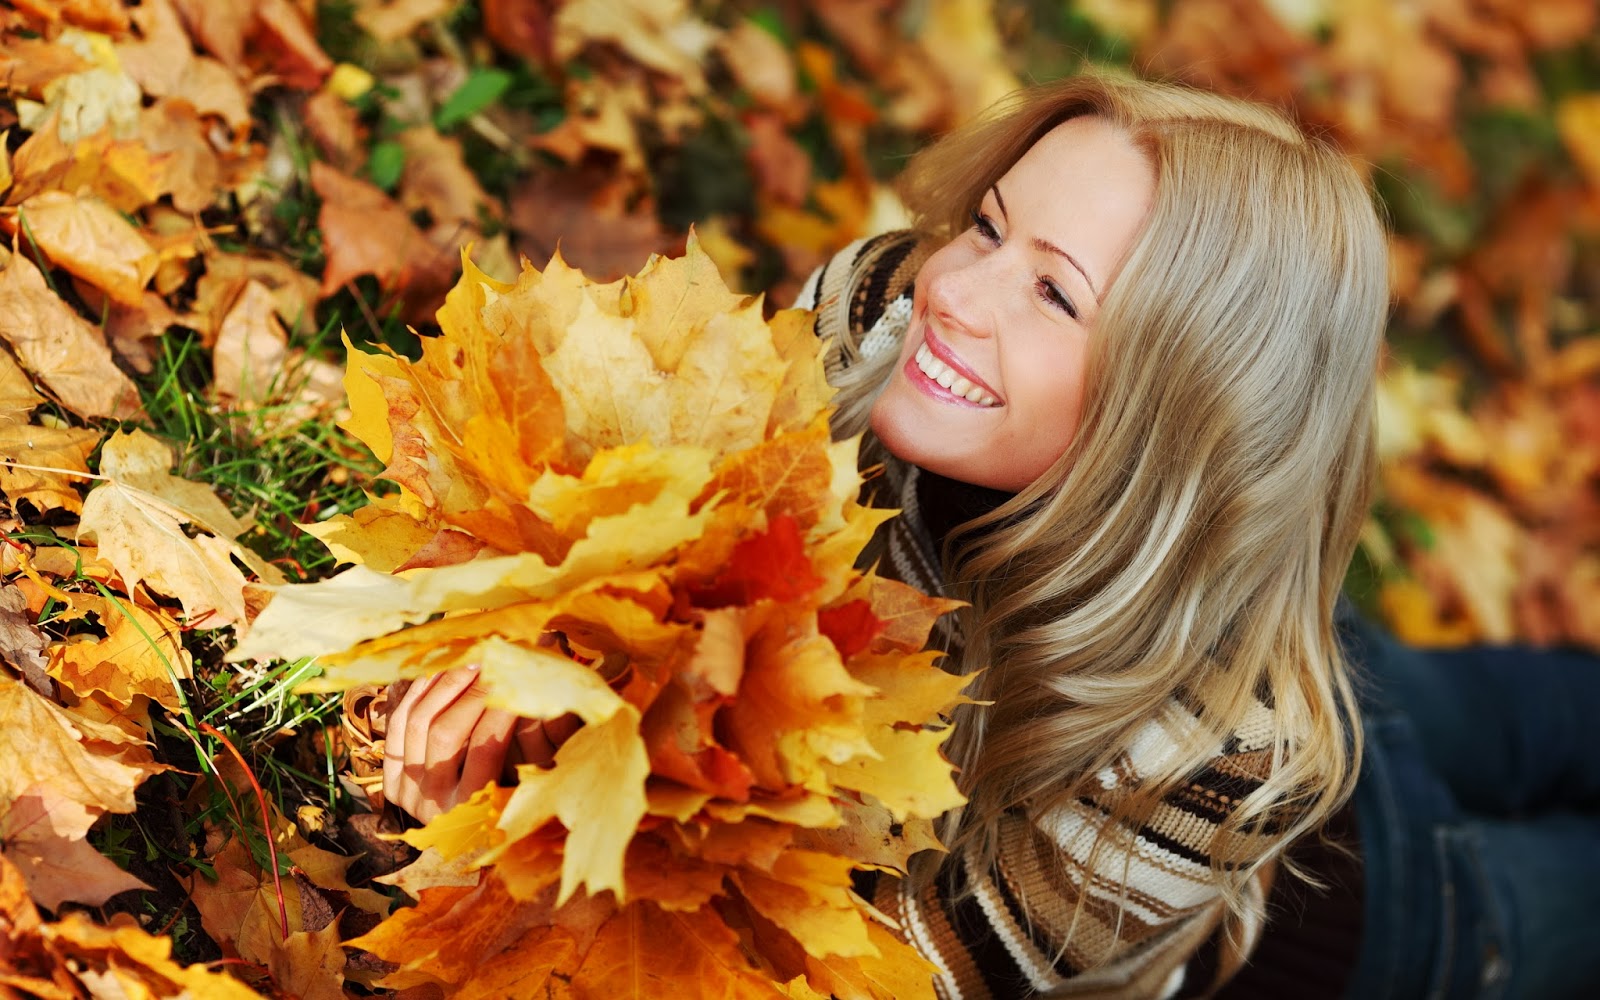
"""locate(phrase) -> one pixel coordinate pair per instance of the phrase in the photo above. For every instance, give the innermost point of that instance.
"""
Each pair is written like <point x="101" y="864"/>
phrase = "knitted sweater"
<point x="1153" y="923"/>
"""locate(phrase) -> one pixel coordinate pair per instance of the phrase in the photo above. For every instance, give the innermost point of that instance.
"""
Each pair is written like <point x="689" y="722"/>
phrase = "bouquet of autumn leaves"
<point x="644" y="468"/>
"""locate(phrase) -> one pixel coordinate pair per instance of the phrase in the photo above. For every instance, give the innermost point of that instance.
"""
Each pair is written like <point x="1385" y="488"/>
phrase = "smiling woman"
<point x="1120" y="382"/>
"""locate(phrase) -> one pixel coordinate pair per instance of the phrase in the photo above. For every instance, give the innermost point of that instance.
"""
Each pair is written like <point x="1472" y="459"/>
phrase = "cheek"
<point x="1047" y="397"/>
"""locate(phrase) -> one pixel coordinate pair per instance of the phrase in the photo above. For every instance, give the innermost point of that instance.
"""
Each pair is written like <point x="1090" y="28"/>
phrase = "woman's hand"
<point x="443" y="743"/>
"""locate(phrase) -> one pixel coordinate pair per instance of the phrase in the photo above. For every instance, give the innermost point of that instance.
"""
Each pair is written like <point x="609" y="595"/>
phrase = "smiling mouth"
<point x="947" y="378"/>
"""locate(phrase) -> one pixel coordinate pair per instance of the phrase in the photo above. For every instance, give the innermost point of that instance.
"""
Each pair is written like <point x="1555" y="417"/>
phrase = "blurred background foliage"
<point x="203" y="198"/>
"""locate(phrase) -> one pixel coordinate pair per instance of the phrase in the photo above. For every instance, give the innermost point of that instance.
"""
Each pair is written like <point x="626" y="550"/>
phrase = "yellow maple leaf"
<point x="608" y="755"/>
<point x="137" y="516"/>
<point x="808" y="894"/>
<point x="50" y="746"/>
<point x="92" y="240"/>
<point x="142" y="654"/>
<point x="646" y="953"/>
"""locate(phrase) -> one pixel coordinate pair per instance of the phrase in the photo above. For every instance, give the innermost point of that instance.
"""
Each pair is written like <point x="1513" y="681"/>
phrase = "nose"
<point x="962" y="296"/>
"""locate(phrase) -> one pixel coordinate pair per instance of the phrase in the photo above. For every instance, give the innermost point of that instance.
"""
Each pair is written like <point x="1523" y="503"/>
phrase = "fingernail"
<point x="474" y="666"/>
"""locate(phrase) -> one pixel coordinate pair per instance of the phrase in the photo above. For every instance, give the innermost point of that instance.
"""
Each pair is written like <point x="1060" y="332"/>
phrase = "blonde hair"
<point x="1192" y="541"/>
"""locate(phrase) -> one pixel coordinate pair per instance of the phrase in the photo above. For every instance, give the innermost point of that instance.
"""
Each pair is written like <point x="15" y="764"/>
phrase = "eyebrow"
<point x="1046" y="245"/>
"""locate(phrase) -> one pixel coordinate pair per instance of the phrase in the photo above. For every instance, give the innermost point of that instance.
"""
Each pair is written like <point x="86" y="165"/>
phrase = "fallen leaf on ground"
<point x="58" y="868"/>
<point x="60" y="348"/>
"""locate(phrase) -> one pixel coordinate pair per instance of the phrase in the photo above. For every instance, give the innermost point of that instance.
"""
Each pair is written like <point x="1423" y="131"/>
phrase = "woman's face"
<point x="989" y="384"/>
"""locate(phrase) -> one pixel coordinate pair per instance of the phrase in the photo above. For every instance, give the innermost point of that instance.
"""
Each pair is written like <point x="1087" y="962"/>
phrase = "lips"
<point x="943" y="370"/>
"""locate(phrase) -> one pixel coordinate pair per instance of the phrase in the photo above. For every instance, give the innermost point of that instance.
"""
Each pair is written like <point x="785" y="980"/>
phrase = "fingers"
<point x="537" y="741"/>
<point x="427" y="737"/>
<point x="487" y="750"/>
<point x="403" y="696"/>
<point x="444" y="748"/>
<point x="561" y="728"/>
<point x="444" y="743"/>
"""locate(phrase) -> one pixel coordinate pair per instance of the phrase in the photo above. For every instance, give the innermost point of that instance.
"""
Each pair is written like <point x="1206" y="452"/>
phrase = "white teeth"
<point x="945" y="376"/>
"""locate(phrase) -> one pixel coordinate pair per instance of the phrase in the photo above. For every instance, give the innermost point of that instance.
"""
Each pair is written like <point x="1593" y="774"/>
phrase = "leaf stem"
<point x="266" y="821"/>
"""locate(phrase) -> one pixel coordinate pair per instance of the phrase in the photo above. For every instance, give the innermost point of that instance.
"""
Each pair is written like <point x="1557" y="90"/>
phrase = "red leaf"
<point x="852" y="627"/>
<point x="771" y="566"/>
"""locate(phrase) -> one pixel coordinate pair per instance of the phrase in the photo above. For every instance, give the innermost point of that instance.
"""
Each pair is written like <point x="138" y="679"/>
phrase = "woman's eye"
<point x="1052" y="294"/>
<point x="985" y="228"/>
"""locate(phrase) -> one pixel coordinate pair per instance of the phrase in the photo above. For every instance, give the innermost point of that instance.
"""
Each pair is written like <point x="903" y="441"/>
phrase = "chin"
<point x="911" y="440"/>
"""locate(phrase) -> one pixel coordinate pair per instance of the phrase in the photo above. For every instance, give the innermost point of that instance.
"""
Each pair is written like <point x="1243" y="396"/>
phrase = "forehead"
<point x="1084" y="186"/>
<point x="1087" y="147"/>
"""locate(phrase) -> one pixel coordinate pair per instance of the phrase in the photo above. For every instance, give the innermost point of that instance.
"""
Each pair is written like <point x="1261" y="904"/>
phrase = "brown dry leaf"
<point x="601" y="117"/>
<point x="240" y="911"/>
<point x="436" y="179"/>
<point x="1475" y="555"/>
<point x="1417" y="78"/>
<point x="1239" y="46"/>
<point x="89" y="238"/>
<point x="366" y="232"/>
<point x="310" y="964"/>
<point x="40" y="462"/>
<point x="871" y="837"/>
<point x="127" y="174"/>
<point x="27" y="64"/>
<point x="131" y="332"/>
<point x="782" y="168"/>
<point x="219" y="28"/>
<point x="59" y="868"/>
<point x="108" y="16"/>
<point x="660" y="34"/>
<point x="192" y="169"/>
<point x="137" y="516"/>
<point x="249" y="360"/>
<point x="390" y="20"/>
<point x="961" y="38"/>
<point x="284" y="38"/>
<point x="82" y="104"/>
<point x="587" y="216"/>
<point x="763" y="66"/>
<point x="165" y="64"/>
<point x="77" y="957"/>
<point x="1133" y="20"/>
<point x="40" y="163"/>
<point x="294" y="292"/>
<point x="335" y="126"/>
<point x="520" y="27"/>
<point x="21" y="642"/>
<point x="16" y="390"/>
<point x="60" y="348"/>
<point x="161" y="53"/>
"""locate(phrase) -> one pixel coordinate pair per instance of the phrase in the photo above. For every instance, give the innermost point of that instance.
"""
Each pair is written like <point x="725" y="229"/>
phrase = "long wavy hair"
<point x="1191" y="542"/>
